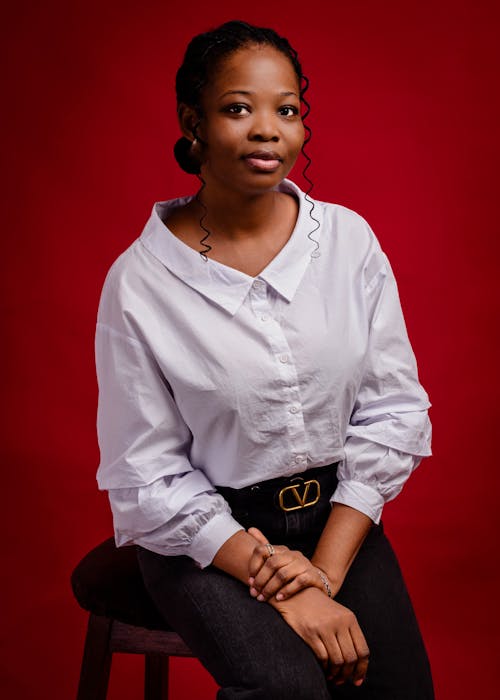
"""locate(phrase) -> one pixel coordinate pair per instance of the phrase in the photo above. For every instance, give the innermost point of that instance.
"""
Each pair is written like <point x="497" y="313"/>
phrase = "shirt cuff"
<point x="361" y="497"/>
<point x="210" y="538"/>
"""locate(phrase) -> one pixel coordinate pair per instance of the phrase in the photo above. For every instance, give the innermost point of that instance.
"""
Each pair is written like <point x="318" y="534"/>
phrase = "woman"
<point x="259" y="402"/>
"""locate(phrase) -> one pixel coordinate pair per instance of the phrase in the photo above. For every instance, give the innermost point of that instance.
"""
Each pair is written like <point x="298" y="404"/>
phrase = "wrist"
<point x="234" y="555"/>
<point x="334" y="578"/>
<point x="325" y="583"/>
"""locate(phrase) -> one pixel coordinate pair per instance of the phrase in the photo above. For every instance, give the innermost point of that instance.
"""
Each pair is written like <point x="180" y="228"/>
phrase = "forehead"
<point x="253" y="68"/>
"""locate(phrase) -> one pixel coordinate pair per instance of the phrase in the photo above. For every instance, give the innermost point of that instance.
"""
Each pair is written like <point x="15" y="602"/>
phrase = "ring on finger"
<point x="270" y="549"/>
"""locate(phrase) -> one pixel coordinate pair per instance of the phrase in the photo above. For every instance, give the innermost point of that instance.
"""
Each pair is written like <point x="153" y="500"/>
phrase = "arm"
<point x="159" y="500"/>
<point x="234" y="555"/>
<point x="339" y="543"/>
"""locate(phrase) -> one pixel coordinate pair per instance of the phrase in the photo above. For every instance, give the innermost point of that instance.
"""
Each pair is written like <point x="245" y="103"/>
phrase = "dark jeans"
<point x="252" y="652"/>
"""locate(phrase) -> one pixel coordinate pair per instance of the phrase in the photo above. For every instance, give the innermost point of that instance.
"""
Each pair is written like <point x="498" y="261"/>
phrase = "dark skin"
<point x="242" y="250"/>
<point x="244" y="112"/>
<point x="250" y="134"/>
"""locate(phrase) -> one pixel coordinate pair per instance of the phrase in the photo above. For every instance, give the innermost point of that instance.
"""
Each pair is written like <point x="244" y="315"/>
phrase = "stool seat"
<point x="108" y="584"/>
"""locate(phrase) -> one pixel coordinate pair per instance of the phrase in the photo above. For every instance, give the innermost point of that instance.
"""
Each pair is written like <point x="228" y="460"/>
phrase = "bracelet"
<point x="325" y="582"/>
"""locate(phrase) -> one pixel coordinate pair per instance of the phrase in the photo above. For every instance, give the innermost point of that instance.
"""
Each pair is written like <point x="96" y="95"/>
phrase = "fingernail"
<point x="260" y="597"/>
<point x="279" y="596"/>
<point x="251" y="580"/>
<point x="359" y="681"/>
<point x="253" y="592"/>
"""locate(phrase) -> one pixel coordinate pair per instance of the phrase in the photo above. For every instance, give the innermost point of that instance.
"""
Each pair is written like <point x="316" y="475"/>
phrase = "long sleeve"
<point x="389" y="430"/>
<point x="158" y="499"/>
<point x="158" y="517"/>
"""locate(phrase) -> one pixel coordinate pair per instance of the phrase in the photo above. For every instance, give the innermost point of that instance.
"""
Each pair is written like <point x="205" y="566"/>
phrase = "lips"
<point x="263" y="160"/>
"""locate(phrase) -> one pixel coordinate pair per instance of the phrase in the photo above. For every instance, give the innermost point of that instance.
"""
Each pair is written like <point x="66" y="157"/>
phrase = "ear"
<point x="188" y="119"/>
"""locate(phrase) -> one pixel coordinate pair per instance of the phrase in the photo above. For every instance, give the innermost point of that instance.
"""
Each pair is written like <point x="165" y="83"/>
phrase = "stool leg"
<point x="156" y="677"/>
<point x="96" y="663"/>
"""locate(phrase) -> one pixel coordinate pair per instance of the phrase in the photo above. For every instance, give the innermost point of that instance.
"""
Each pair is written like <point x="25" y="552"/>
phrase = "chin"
<point x="247" y="182"/>
<point x="263" y="180"/>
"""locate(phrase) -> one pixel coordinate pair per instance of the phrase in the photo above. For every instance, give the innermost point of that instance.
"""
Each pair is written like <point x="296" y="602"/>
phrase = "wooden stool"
<point x="108" y="583"/>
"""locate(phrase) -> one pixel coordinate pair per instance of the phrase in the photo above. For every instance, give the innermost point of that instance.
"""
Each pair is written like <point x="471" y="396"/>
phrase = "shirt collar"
<point x="224" y="285"/>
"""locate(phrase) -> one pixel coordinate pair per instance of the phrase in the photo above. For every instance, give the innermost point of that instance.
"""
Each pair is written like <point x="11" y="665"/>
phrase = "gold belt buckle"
<point x="302" y="500"/>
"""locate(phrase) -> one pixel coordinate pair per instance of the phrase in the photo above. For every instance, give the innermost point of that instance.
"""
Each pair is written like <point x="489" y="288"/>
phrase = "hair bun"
<point x="184" y="156"/>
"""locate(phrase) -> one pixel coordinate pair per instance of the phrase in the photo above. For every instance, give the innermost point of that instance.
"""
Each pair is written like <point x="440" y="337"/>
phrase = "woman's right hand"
<point x="331" y="630"/>
<point x="282" y="574"/>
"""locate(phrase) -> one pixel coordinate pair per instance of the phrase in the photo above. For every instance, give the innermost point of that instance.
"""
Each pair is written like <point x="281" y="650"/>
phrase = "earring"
<point x="194" y="142"/>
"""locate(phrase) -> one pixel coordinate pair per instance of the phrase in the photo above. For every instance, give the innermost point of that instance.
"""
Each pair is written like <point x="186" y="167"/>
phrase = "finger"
<point x="282" y="556"/>
<point x="275" y="584"/>
<point x="270" y="563"/>
<point x="270" y="568"/>
<point x="261" y="554"/>
<point x="320" y="651"/>
<point x="305" y="579"/>
<point x="349" y="654"/>
<point x="363" y="652"/>
<point x="259" y="557"/>
<point x="257" y="560"/>
<point x="335" y="658"/>
<point x="258" y="535"/>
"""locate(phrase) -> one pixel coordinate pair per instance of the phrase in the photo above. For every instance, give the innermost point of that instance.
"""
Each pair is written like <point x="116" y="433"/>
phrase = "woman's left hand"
<point x="281" y="574"/>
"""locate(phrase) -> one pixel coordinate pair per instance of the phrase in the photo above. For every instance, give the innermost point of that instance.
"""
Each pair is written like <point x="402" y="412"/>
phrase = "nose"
<point x="264" y="127"/>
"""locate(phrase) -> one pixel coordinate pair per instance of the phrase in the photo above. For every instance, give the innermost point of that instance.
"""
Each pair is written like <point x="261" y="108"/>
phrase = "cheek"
<point x="302" y="136"/>
<point x="297" y="139"/>
<point x="224" y="137"/>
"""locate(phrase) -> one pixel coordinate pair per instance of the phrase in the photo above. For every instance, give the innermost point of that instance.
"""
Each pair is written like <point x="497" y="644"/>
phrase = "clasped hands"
<point x="281" y="575"/>
<point x="291" y="583"/>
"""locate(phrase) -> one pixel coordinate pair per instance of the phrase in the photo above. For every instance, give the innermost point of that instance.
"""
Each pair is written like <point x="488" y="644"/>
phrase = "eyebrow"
<point x="249" y="92"/>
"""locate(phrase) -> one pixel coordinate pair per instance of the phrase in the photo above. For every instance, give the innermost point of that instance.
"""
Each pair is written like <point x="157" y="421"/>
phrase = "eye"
<point x="236" y="108"/>
<point x="288" y="111"/>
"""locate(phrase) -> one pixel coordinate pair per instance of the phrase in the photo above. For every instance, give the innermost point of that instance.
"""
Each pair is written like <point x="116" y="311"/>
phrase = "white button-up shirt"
<point x="209" y="377"/>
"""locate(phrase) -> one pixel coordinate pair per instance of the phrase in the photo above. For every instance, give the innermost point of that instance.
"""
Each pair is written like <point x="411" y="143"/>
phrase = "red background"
<point x="404" y="120"/>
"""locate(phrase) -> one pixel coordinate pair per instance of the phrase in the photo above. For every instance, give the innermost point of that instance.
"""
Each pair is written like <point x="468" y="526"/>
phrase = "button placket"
<point x="292" y="405"/>
<point x="287" y="371"/>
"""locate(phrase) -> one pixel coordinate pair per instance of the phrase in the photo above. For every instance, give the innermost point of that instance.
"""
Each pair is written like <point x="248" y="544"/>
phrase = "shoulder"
<point x="346" y="224"/>
<point x="150" y="252"/>
<point x="350" y="240"/>
<point x="122" y="281"/>
<point x="136" y="269"/>
<point x="337" y="222"/>
<point x="130" y="265"/>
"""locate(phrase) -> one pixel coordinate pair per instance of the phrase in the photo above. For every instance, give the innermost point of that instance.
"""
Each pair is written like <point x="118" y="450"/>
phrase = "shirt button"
<point x="264" y="317"/>
<point x="299" y="459"/>
<point x="284" y="358"/>
<point x="294" y="409"/>
<point x="259" y="284"/>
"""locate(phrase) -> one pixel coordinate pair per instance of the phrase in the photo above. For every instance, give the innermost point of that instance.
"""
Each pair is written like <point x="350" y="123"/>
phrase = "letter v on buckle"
<point x="302" y="501"/>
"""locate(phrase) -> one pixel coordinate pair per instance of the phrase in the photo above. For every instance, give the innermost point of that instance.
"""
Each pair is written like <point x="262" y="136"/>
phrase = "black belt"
<point x="288" y="493"/>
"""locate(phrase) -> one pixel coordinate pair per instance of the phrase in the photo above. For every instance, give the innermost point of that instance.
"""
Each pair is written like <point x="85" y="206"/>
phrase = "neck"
<point x="238" y="216"/>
